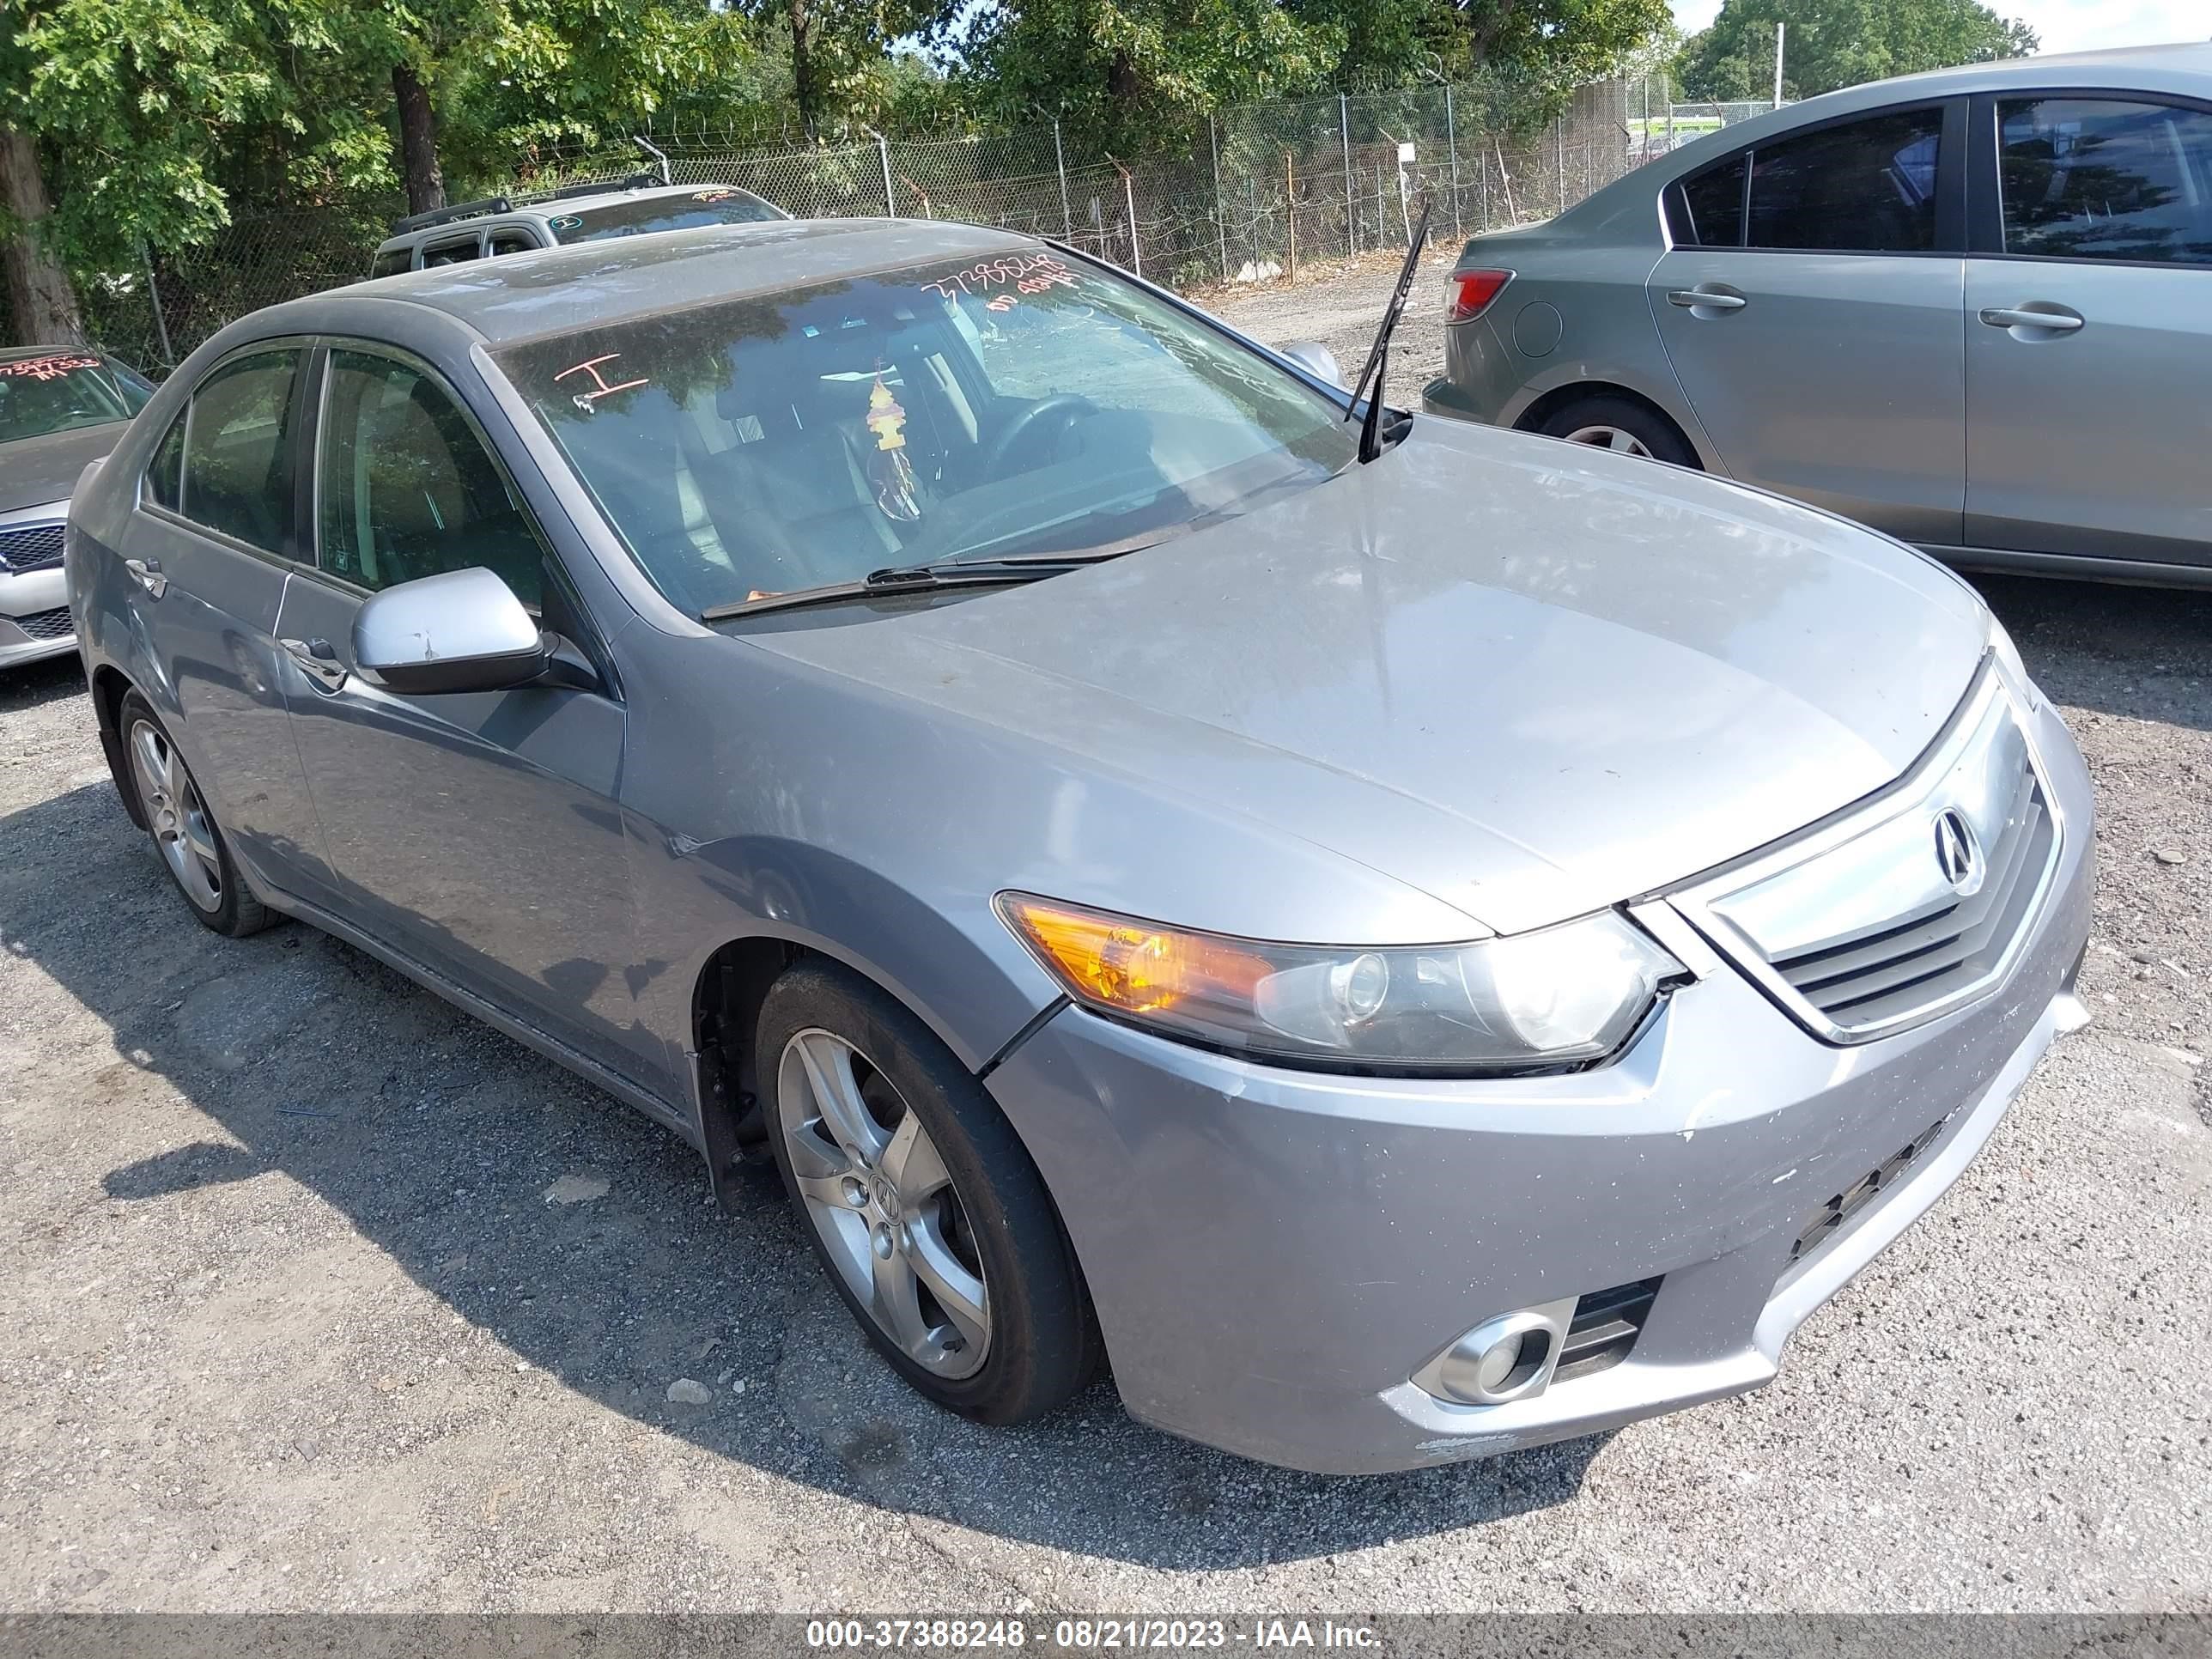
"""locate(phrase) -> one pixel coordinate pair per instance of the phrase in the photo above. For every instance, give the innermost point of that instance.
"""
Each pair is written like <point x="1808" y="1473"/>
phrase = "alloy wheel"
<point x="178" y="818"/>
<point x="876" y="1190"/>
<point x="1621" y="442"/>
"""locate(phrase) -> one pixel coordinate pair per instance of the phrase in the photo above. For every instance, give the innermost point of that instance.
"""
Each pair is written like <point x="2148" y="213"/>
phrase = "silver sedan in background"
<point x="1972" y="309"/>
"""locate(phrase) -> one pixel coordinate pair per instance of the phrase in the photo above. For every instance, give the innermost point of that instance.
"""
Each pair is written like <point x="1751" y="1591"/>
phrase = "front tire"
<point x="922" y="1203"/>
<point x="1622" y="426"/>
<point x="187" y="838"/>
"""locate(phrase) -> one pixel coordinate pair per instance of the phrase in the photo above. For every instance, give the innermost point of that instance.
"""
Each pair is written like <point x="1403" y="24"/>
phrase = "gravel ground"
<point x="321" y="1296"/>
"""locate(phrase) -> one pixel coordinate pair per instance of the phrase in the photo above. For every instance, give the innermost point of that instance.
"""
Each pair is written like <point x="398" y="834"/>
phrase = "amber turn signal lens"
<point x="1121" y="963"/>
<point x="1469" y="293"/>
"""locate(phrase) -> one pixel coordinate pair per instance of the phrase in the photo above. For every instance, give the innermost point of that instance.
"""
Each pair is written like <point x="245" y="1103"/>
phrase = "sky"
<point x="2064" y="25"/>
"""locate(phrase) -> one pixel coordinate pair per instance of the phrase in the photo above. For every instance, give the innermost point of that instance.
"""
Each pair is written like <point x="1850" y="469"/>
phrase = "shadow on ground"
<point x="2140" y="653"/>
<point x="438" y="1139"/>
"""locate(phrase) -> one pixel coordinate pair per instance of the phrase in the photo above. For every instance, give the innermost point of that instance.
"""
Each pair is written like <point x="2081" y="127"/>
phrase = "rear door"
<point x="1811" y="304"/>
<point x="209" y="553"/>
<point x="477" y="833"/>
<point x="2089" y="327"/>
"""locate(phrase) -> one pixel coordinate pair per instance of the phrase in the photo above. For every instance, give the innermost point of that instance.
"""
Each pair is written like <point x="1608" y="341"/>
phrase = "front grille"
<point x="1909" y="908"/>
<point x="1604" y="1329"/>
<point x="54" y="624"/>
<point x="1891" y="970"/>
<point x="1824" y="1223"/>
<point x="39" y="548"/>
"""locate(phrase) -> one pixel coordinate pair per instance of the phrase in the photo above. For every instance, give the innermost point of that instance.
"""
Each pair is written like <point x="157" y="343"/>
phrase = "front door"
<point x="475" y="833"/>
<point x="2089" y="331"/>
<point x="1810" y="308"/>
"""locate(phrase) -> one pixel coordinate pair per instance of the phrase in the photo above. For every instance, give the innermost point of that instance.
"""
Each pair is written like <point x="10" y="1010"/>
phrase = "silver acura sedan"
<point x="1403" y="940"/>
<point x="1972" y="309"/>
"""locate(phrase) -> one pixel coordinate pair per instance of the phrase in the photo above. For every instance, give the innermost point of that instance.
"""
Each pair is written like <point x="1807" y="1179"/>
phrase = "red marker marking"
<point x="599" y="386"/>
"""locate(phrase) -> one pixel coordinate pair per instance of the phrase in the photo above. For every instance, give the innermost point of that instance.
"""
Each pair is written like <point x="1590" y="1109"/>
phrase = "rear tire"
<point x="187" y="838"/>
<point x="1622" y="426"/>
<point x="922" y="1203"/>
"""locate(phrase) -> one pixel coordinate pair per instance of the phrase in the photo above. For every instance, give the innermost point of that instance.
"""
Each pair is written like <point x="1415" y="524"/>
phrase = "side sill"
<point x="468" y="1002"/>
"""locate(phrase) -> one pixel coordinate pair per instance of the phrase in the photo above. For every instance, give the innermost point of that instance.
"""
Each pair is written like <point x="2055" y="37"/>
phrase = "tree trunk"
<point x="803" y="90"/>
<point x="40" y="301"/>
<point x="419" y="142"/>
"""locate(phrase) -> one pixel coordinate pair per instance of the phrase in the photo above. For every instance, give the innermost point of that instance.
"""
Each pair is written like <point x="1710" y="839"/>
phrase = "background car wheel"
<point x="185" y="833"/>
<point x="1624" y="427"/>
<point x="921" y="1201"/>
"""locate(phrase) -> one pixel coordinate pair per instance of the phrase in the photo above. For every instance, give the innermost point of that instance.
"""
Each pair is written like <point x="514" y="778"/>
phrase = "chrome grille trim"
<point x="1854" y="929"/>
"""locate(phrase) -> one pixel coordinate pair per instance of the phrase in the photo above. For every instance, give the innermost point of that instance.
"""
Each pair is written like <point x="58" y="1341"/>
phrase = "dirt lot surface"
<point x="320" y="1296"/>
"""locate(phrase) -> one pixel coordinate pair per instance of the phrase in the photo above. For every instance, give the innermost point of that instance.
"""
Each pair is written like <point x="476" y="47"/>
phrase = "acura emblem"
<point x="1957" y="855"/>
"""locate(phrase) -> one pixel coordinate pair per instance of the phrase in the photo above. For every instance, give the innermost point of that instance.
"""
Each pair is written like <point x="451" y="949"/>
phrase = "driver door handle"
<point x="146" y="572"/>
<point x="1690" y="298"/>
<point x="2056" y="322"/>
<point x="319" y="659"/>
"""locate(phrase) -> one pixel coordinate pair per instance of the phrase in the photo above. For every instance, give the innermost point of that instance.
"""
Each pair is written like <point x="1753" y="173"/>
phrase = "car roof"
<point x="552" y="207"/>
<point x="17" y="354"/>
<point x="557" y="290"/>
<point x="2117" y="66"/>
<point x="2185" y="68"/>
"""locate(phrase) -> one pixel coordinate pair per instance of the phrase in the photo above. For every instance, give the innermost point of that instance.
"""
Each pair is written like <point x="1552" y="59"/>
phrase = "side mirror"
<point x="462" y="630"/>
<point x="1315" y="359"/>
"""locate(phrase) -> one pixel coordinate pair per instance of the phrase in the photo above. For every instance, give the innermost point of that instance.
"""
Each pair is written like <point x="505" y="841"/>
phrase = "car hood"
<point x="35" y="470"/>
<point x="1526" y="679"/>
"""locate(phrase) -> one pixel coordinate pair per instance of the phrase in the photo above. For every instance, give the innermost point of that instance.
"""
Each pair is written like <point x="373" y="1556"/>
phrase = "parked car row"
<point x="1403" y="940"/>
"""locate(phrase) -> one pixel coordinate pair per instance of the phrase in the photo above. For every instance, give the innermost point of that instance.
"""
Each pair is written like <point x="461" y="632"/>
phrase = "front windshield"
<point x="57" y="391"/>
<point x="709" y="204"/>
<point x="1015" y="406"/>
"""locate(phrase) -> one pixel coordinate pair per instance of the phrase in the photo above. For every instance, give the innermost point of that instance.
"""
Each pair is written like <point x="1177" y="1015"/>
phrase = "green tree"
<point x="116" y="118"/>
<point x="1840" y="43"/>
<point x="1128" y="76"/>
<point x="1553" y="42"/>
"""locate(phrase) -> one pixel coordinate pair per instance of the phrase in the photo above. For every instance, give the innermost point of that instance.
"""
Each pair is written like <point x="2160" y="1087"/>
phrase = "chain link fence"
<point x="1266" y="186"/>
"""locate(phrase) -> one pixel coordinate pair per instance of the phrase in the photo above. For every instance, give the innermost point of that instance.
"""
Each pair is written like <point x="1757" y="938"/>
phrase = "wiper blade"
<point x="1378" y="355"/>
<point x="900" y="579"/>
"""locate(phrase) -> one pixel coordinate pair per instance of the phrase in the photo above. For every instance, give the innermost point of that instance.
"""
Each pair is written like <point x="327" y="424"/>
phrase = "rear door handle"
<point x="2054" y="321"/>
<point x="319" y="660"/>
<point x="146" y="572"/>
<point x="1691" y="298"/>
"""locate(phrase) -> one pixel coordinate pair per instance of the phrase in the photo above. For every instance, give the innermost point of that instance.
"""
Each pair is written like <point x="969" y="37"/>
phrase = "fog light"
<point x="1508" y="1358"/>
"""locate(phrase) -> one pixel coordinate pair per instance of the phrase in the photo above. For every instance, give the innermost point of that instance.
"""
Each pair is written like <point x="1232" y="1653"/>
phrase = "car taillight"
<point x="1469" y="293"/>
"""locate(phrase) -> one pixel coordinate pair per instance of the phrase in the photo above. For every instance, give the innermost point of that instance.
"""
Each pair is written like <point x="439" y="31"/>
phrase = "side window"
<point x="237" y="471"/>
<point x="392" y="261"/>
<point x="165" y="475"/>
<point x="1867" y="186"/>
<point x="450" y="254"/>
<point x="2098" y="179"/>
<point x="405" y="488"/>
<point x="1707" y="211"/>
<point x="512" y="241"/>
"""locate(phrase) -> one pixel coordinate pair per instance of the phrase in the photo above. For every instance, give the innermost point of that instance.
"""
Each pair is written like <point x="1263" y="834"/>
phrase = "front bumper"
<point x="1273" y="1253"/>
<point x="34" y="619"/>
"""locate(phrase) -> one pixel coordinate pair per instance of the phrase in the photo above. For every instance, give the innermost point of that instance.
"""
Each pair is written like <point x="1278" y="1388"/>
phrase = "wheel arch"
<point x="726" y="993"/>
<point x="110" y="685"/>
<point x="1540" y="409"/>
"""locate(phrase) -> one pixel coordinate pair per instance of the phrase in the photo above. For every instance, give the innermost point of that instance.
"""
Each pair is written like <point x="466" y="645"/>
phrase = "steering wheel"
<point x="1065" y="407"/>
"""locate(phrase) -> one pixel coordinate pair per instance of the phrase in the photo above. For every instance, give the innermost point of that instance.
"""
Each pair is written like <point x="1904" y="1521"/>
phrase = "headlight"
<point x="1544" y="1000"/>
<point x="2012" y="670"/>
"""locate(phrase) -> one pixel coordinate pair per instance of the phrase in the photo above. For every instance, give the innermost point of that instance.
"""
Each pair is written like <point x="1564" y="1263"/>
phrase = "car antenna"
<point x="654" y="155"/>
<point x="1378" y="355"/>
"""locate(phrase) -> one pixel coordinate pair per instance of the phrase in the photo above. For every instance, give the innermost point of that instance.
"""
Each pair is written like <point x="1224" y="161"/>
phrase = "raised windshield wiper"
<point x="903" y="578"/>
<point x="1378" y="355"/>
